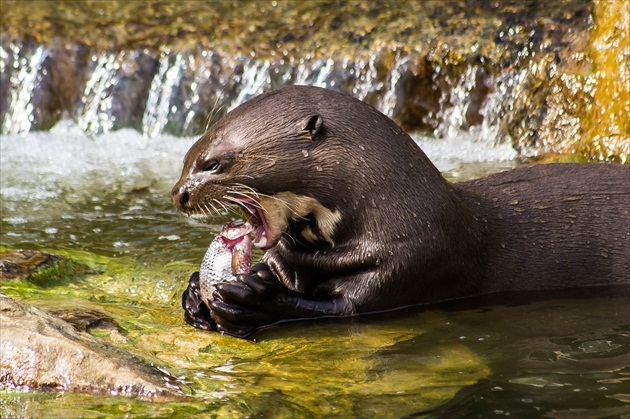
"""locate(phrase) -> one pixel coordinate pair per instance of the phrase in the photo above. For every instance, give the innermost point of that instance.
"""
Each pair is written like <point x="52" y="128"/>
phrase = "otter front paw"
<point x="196" y="312"/>
<point x="257" y="300"/>
<point x="237" y="307"/>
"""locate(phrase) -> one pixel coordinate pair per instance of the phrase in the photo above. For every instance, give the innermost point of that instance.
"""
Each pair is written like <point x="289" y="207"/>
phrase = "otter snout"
<point x="180" y="198"/>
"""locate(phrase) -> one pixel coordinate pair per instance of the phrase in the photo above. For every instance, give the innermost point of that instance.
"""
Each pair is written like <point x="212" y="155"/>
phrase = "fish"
<point x="229" y="254"/>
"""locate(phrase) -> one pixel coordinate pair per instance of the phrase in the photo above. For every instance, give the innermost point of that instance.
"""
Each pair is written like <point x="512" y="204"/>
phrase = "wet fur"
<point x="379" y="228"/>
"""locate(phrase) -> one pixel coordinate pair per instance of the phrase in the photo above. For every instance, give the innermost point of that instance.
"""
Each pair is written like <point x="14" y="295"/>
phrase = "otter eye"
<point x="212" y="167"/>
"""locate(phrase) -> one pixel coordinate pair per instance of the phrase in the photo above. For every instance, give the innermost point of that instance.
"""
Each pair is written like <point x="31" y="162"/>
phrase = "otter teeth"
<point x="261" y="237"/>
<point x="252" y="210"/>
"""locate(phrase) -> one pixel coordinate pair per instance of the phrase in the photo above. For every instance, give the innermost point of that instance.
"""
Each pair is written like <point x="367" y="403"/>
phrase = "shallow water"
<point x="104" y="201"/>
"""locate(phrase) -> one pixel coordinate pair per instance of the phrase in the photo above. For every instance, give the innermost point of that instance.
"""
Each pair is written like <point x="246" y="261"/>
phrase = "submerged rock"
<point x="39" y="351"/>
<point x="87" y="320"/>
<point x="16" y="264"/>
<point x="41" y="268"/>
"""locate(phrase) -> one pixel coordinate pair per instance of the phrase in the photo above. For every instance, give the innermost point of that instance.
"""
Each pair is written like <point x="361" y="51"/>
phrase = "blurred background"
<point x="545" y="77"/>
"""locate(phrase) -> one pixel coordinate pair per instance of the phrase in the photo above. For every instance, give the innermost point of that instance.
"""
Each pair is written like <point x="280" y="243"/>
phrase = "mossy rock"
<point x="43" y="269"/>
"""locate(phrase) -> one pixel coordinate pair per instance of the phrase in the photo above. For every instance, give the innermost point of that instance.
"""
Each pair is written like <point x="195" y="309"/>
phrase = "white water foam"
<point x="65" y="163"/>
<point x="452" y="153"/>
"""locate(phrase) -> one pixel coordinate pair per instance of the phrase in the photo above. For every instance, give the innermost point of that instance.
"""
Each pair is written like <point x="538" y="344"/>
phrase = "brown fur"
<point x="369" y="223"/>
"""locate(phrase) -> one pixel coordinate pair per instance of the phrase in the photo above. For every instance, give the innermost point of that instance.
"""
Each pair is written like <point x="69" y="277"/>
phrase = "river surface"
<point x="104" y="201"/>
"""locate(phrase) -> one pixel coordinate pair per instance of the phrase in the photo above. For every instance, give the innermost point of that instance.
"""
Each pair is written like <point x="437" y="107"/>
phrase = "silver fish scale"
<point x="216" y="266"/>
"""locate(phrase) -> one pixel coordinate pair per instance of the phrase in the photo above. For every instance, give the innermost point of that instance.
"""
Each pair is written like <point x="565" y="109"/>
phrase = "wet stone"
<point x="17" y="264"/>
<point x="87" y="320"/>
<point x="40" y="268"/>
<point x="39" y="351"/>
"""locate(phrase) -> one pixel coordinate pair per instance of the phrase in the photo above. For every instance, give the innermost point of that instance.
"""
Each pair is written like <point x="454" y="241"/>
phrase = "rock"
<point x="39" y="351"/>
<point x="87" y="320"/>
<point x="40" y="268"/>
<point x="16" y="264"/>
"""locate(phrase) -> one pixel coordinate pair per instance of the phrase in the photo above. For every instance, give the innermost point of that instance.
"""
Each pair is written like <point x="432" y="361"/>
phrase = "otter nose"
<point x="180" y="197"/>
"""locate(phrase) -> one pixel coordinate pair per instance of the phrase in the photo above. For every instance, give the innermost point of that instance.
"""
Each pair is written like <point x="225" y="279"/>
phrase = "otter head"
<point x="261" y="158"/>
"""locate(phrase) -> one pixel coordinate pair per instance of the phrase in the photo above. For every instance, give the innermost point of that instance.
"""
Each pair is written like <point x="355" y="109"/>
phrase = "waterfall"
<point x="254" y="81"/>
<point x="390" y="98"/>
<point x="323" y="78"/>
<point x="366" y="77"/>
<point x="177" y="90"/>
<point x="25" y="76"/>
<point x="159" y="101"/>
<point x="202" y="73"/>
<point x="182" y="92"/>
<point x="96" y="114"/>
<point x="455" y="103"/>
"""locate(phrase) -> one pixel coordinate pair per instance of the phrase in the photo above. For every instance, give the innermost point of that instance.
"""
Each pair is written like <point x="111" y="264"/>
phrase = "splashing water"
<point x="254" y="81"/>
<point x="185" y="87"/>
<point x="203" y="72"/>
<point x="366" y="77"/>
<point x="95" y="116"/>
<point x="159" y="100"/>
<point x="25" y="78"/>
<point x="390" y="98"/>
<point x="454" y="104"/>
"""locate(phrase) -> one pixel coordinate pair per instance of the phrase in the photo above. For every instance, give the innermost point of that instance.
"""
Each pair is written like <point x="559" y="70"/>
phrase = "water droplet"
<point x="318" y="168"/>
<point x="305" y="153"/>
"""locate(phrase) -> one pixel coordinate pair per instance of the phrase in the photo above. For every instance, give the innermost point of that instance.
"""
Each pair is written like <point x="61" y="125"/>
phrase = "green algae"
<point x="59" y="273"/>
<point x="388" y="366"/>
<point x="330" y="371"/>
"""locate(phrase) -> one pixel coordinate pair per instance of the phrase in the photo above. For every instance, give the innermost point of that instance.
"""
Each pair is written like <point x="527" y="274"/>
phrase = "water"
<point x="96" y="115"/>
<point x="180" y="92"/>
<point x="159" y="101"/>
<point x="26" y="75"/>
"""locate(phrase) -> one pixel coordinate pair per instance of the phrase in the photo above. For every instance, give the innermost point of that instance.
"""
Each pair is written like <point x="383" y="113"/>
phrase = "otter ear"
<point x="313" y="125"/>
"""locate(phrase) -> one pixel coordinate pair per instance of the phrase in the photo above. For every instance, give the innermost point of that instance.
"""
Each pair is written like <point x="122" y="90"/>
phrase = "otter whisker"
<point x="244" y="192"/>
<point x="204" y="210"/>
<point x="228" y="206"/>
<point x="239" y="202"/>
<point x="209" y="212"/>
<point x="241" y="186"/>
<point x="227" y="210"/>
<point x="214" y="112"/>
<point x="214" y="209"/>
<point x="254" y="200"/>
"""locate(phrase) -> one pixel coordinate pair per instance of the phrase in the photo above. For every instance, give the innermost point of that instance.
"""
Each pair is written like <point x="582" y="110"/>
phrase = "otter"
<point x="356" y="219"/>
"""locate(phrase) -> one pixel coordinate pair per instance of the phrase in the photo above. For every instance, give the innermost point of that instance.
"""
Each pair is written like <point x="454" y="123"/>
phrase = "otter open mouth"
<point x="254" y="213"/>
